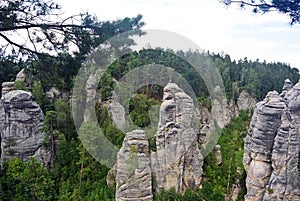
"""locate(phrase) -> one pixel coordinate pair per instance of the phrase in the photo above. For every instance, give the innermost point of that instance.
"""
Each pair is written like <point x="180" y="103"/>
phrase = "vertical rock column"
<point x="177" y="162"/>
<point x="21" y="120"/>
<point x="284" y="183"/>
<point x="133" y="176"/>
<point x="259" y="144"/>
<point x="272" y="147"/>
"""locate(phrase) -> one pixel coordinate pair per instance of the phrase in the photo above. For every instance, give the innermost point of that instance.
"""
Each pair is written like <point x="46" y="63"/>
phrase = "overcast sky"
<point x="214" y="27"/>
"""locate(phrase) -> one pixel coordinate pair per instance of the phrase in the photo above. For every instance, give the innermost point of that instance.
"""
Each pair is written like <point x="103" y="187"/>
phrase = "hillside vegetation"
<point x="75" y="174"/>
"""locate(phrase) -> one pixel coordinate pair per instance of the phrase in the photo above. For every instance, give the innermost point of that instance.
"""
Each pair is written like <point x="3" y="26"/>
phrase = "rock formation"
<point x="118" y="112"/>
<point x="245" y="101"/>
<point x="22" y="76"/>
<point x="21" y="119"/>
<point x="272" y="147"/>
<point x="177" y="161"/>
<point x="7" y="87"/>
<point x="217" y="151"/>
<point x="133" y="176"/>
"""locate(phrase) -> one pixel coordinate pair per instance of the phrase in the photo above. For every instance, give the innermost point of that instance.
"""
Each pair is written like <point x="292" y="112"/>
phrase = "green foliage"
<point x="9" y="68"/>
<point x="139" y="107"/>
<point x="172" y="195"/>
<point x="19" y="85"/>
<point x="219" y="180"/>
<point x="40" y="96"/>
<point x="110" y="130"/>
<point x="106" y="85"/>
<point x="132" y="160"/>
<point x="76" y="175"/>
<point x="258" y="78"/>
<point x="270" y="190"/>
<point x="26" y="181"/>
<point x="168" y="195"/>
<point x="161" y="57"/>
<point x="203" y="101"/>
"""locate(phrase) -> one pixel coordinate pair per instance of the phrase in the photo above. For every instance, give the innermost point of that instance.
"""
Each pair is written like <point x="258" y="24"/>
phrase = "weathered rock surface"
<point x="118" y="112"/>
<point x="177" y="161"/>
<point x="10" y="86"/>
<point x="133" y="169"/>
<point x="221" y="111"/>
<point x="22" y="76"/>
<point x="272" y="147"/>
<point x="7" y="87"/>
<point x="217" y="151"/>
<point x="54" y="92"/>
<point x="286" y="87"/>
<point x="245" y="101"/>
<point x="21" y="119"/>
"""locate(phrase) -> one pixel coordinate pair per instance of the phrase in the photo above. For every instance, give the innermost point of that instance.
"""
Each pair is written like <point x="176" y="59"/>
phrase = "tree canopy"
<point x="36" y="26"/>
<point x="289" y="7"/>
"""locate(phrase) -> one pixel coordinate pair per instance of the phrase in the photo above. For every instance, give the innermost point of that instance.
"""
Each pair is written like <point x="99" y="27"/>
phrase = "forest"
<point x="74" y="174"/>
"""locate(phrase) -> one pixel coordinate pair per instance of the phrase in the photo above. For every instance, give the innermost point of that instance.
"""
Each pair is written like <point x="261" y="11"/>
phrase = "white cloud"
<point x="210" y="24"/>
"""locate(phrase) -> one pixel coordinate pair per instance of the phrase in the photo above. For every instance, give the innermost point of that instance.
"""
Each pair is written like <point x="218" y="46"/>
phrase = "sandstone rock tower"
<point x="272" y="147"/>
<point x="177" y="162"/>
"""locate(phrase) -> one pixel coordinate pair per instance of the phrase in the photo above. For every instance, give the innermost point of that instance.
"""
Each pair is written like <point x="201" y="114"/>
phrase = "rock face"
<point x="22" y="76"/>
<point x="133" y="176"/>
<point x="21" y="119"/>
<point x="245" y="101"/>
<point x="177" y="161"/>
<point x="178" y="158"/>
<point x="118" y="112"/>
<point x="272" y="147"/>
<point x="217" y="151"/>
<point x="7" y="87"/>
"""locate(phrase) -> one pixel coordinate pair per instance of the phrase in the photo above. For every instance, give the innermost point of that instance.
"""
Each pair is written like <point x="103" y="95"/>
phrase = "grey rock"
<point x="178" y="161"/>
<point x="221" y="112"/>
<point x="286" y="87"/>
<point x="217" y="151"/>
<point x="53" y="92"/>
<point x="272" y="147"/>
<point x="206" y="124"/>
<point x="133" y="169"/>
<point x="118" y="112"/>
<point x="245" y="101"/>
<point x="7" y="87"/>
<point x="111" y="176"/>
<point x="21" y="120"/>
<point x="90" y="89"/>
<point x="21" y="76"/>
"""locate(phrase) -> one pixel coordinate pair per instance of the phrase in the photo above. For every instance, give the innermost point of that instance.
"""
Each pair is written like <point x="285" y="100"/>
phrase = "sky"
<point x="213" y="26"/>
